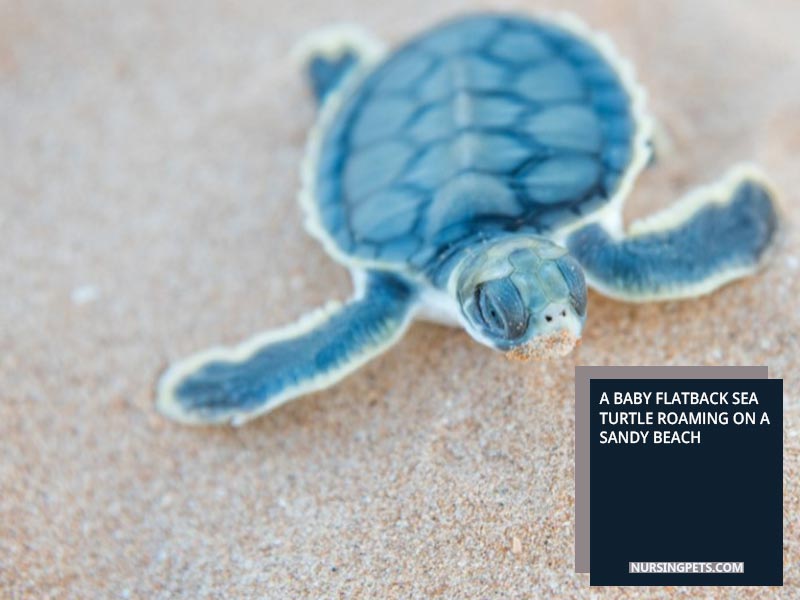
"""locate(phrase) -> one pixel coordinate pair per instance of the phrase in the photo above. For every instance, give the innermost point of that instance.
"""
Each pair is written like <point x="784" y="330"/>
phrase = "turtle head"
<point x="524" y="296"/>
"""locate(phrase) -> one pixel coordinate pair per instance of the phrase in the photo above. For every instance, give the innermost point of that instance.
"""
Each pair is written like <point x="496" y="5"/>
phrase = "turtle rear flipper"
<point x="331" y="54"/>
<point x="715" y="235"/>
<point x="234" y="385"/>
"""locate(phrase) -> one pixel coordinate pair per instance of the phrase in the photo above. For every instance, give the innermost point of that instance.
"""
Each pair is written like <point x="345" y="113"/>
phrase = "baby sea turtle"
<point x="475" y="176"/>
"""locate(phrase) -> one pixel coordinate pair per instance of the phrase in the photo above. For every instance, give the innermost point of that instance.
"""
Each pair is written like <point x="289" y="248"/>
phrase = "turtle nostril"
<point x="548" y="318"/>
<point x="563" y="313"/>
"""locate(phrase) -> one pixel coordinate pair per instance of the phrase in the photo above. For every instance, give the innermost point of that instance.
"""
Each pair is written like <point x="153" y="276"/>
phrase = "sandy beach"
<point x="148" y="210"/>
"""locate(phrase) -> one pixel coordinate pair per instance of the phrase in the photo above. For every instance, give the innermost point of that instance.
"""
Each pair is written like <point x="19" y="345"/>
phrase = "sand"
<point x="147" y="210"/>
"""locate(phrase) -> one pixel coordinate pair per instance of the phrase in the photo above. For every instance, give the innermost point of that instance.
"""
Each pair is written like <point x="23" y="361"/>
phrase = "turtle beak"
<point x="558" y="332"/>
<point x="546" y="347"/>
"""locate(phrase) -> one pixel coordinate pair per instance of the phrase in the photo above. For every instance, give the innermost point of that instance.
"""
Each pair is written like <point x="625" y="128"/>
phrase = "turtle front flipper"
<point x="715" y="235"/>
<point x="329" y="55"/>
<point x="234" y="385"/>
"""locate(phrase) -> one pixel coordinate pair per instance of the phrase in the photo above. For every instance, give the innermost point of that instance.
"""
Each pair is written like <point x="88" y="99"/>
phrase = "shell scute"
<point x="561" y="179"/>
<point x="555" y="80"/>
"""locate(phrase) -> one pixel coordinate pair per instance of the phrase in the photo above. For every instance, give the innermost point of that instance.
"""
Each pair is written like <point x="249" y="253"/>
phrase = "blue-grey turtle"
<point x="475" y="176"/>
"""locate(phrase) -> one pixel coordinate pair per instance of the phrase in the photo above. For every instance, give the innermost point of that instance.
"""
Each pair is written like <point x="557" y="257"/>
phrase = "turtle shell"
<point x="484" y="122"/>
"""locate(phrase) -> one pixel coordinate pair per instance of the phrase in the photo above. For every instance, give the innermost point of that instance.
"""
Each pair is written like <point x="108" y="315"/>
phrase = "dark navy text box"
<point x="719" y="500"/>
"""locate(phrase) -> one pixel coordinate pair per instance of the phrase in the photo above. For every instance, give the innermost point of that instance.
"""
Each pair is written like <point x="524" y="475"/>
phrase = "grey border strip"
<point x="583" y="377"/>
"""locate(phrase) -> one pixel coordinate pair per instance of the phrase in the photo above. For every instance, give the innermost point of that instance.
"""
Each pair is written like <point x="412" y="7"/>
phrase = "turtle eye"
<point x="501" y="308"/>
